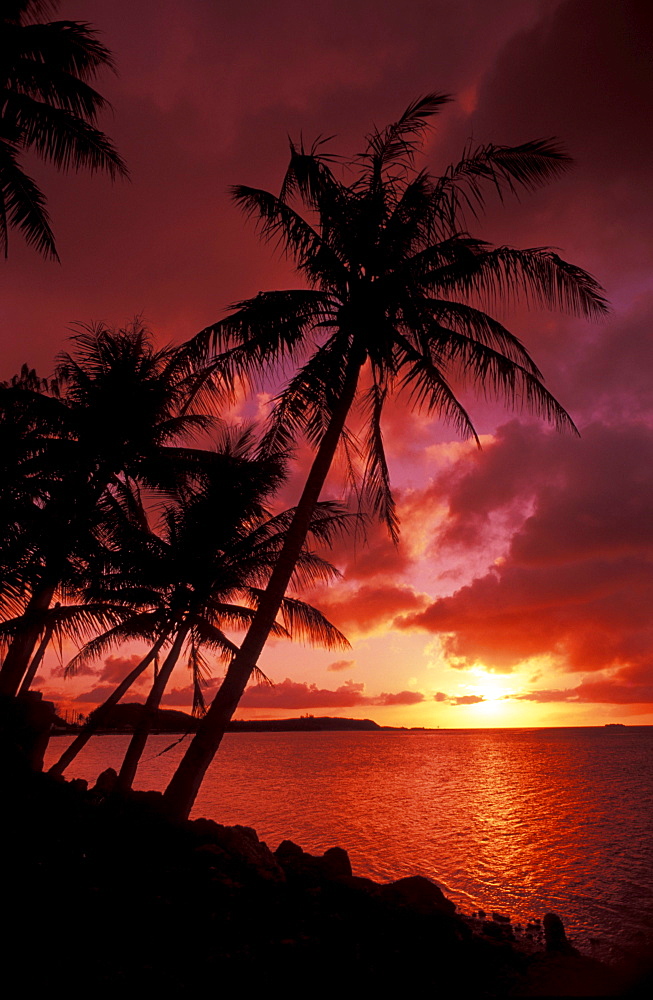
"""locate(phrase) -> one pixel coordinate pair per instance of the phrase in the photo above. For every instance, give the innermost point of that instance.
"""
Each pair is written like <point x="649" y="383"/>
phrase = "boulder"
<point x="418" y="893"/>
<point x="333" y="865"/>
<point x="106" y="782"/>
<point x="555" y="937"/>
<point x="336" y="863"/>
<point x="241" y="844"/>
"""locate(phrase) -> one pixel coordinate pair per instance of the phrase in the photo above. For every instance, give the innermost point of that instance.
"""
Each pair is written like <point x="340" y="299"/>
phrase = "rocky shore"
<point x="110" y="895"/>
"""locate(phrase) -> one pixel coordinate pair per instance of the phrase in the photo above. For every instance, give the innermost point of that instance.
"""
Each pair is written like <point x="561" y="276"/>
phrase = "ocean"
<point x="518" y="821"/>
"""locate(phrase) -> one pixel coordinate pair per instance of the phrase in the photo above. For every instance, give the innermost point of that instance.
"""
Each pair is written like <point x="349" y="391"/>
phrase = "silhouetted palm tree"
<point x="48" y="106"/>
<point x="204" y="574"/>
<point x="395" y="297"/>
<point x="123" y="412"/>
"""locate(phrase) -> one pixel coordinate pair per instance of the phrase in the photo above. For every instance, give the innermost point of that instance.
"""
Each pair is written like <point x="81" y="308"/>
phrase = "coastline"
<point x="129" y="899"/>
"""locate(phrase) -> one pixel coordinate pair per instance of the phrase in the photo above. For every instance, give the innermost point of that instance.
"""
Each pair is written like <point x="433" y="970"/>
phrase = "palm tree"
<point x="396" y="298"/>
<point x="204" y="573"/>
<point x="48" y="106"/>
<point x="124" y="412"/>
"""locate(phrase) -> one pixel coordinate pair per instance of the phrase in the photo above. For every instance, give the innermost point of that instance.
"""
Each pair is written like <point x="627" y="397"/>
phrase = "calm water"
<point x="520" y="821"/>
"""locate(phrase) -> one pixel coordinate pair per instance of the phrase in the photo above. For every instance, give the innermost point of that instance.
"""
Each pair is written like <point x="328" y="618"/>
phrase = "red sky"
<point x="522" y="588"/>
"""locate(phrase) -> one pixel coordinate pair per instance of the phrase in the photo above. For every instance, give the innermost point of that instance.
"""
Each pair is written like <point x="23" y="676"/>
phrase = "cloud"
<point x="341" y="665"/>
<point x="369" y="608"/>
<point x="626" y="686"/>
<point x="399" y="698"/>
<point x="98" y="695"/>
<point x="116" y="668"/>
<point x="289" y="694"/>
<point x="112" y="670"/>
<point x="576" y="584"/>
<point x="465" y="699"/>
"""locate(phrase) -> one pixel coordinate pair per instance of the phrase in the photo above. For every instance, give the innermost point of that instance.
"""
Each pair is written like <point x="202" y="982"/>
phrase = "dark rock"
<point x="500" y="918"/>
<point x="288" y="851"/>
<point x="212" y="854"/>
<point x="555" y="937"/>
<point x="79" y="784"/>
<point x="360" y="884"/>
<point x="336" y="863"/>
<point x="106" y="782"/>
<point x="242" y="844"/>
<point x="493" y="930"/>
<point x="419" y="894"/>
<point x="481" y="914"/>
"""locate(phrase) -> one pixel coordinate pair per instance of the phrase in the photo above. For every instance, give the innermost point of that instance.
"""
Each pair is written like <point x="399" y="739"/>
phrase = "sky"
<point x="520" y="592"/>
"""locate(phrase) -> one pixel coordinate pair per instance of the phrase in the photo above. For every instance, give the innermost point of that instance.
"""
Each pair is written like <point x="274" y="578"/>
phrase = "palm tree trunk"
<point x="21" y="649"/>
<point x="102" y="713"/>
<point x="182" y="790"/>
<point x="144" y="724"/>
<point x="37" y="659"/>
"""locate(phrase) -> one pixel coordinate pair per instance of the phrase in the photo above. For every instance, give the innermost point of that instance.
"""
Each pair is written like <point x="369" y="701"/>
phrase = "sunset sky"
<point x="521" y="591"/>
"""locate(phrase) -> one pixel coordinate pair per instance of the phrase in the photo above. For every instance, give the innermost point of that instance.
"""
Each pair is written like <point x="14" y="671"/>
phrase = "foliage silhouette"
<point x="48" y="106"/>
<point x="201" y="575"/>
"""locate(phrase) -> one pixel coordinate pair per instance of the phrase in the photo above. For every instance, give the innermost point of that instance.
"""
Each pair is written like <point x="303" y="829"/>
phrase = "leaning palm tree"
<point x="202" y="576"/>
<point x="48" y="106"/>
<point x="396" y="302"/>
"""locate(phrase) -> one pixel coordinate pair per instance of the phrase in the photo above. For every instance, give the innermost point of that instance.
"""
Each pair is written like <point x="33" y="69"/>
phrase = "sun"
<point x="493" y="689"/>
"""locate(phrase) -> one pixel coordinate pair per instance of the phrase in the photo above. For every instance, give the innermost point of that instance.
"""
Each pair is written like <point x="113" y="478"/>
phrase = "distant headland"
<point x="123" y="718"/>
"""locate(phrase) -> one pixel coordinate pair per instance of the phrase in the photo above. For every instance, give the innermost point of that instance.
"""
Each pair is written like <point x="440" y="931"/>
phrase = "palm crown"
<point x="47" y="105"/>
<point x="397" y="283"/>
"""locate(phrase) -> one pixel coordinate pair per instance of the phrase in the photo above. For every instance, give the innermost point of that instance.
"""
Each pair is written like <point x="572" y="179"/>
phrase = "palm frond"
<point x="504" y="169"/>
<point x="148" y="626"/>
<point x="290" y="233"/>
<point x="397" y="143"/>
<point x="536" y="275"/>
<point x="262" y="332"/>
<point x="500" y="377"/>
<point x="376" y="479"/>
<point x="307" y="624"/>
<point x="429" y="390"/>
<point x="22" y="205"/>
